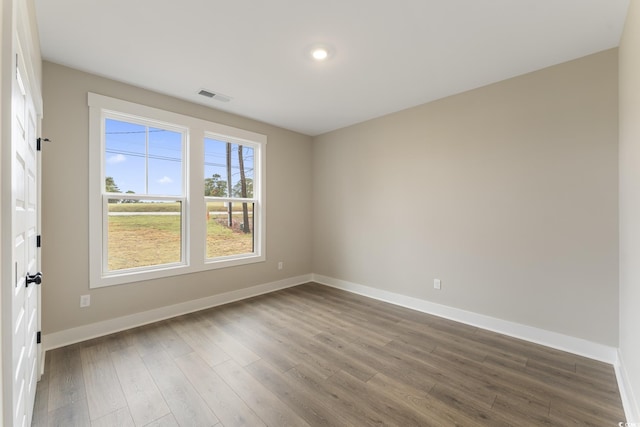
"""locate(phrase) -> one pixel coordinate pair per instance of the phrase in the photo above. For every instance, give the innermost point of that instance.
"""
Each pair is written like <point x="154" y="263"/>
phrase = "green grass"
<point x="223" y="241"/>
<point x="146" y="240"/>
<point x="140" y="241"/>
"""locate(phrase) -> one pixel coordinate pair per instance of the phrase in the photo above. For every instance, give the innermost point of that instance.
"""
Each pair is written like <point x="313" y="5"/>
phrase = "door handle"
<point x="36" y="278"/>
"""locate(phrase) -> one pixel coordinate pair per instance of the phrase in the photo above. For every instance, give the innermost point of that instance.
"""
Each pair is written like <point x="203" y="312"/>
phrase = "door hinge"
<point x="38" y="337"/>
<point x="39" y="142"/>
<point x="38" y="241"/>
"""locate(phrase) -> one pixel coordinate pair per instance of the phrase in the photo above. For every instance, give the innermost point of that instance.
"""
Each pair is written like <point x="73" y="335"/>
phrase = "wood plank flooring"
<point x="316" y="356"/>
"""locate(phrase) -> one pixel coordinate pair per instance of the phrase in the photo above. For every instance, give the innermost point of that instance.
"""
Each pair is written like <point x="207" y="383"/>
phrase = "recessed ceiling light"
<point x="320" y="53"/>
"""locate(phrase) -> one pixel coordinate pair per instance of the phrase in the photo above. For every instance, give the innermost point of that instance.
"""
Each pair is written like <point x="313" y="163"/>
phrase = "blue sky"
<point x="159" y="171"/>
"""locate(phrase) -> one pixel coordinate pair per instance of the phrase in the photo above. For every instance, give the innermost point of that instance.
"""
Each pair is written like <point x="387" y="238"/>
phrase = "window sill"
<point x="128" y="277"/>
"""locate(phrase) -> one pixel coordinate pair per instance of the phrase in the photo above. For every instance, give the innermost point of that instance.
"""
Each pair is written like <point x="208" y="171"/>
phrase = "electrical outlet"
<point x="280" y="265"/>
<point x="436" y="284"/>
<point x="85" y="301"/>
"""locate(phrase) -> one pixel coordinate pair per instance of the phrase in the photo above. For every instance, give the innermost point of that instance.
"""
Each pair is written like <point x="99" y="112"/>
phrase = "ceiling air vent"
<point x="217" y="96"/>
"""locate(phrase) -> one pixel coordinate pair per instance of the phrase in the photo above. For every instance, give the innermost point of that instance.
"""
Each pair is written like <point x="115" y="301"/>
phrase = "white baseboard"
<point x="539" y="336"/>
<point x="629" y="402"/>
<point x="94" y="330"/>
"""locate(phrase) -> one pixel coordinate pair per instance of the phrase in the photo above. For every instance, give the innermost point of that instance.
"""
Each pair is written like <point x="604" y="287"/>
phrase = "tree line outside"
<point x="213" y="187"/>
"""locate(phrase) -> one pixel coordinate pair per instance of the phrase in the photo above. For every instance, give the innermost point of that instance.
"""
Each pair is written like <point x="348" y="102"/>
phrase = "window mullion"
<point x="195" y="190"/>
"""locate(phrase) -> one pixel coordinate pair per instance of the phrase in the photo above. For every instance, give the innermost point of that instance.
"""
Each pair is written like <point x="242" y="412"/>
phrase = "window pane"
<point x="143" y="234"/>
<point x="226" y="167"/>
<point x="215" y="168"/>
<point x="165" y="162"/>
<point x="125" y="152"/>
<point x="229" y="230"/>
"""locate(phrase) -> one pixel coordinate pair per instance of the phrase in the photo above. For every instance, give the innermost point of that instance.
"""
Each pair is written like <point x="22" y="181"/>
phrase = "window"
<point x="144" y="226"/>
<point x="228" y="191"/>
<point x="149" y="171"/>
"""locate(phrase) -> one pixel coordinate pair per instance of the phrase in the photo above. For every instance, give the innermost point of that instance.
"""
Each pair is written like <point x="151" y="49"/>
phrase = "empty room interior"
<point x="420" y="212"/>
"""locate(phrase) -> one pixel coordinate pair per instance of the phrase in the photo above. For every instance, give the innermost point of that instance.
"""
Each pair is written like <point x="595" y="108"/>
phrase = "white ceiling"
<point x="386" y="55"/>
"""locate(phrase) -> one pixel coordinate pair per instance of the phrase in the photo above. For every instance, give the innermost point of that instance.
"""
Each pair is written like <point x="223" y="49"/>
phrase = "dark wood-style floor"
<point x="313" y="355"/>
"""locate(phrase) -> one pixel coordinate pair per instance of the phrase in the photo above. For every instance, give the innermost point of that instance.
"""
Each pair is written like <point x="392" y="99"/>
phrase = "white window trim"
<point x="195" y="226"/>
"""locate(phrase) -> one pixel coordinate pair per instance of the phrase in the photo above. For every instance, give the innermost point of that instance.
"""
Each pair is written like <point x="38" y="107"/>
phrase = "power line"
<point x="143" y="155"/>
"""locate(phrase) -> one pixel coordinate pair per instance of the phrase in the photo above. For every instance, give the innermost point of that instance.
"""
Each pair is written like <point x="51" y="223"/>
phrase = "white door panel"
<point x="25" y="252"/>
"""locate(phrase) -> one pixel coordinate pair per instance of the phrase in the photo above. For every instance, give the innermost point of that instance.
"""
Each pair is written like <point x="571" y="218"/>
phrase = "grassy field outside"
<point x="141" y="241"/>
<point x="144" y="240"/>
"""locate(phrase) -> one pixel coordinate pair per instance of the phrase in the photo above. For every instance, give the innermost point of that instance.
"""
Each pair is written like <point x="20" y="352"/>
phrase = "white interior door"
<point x="25" y="253"/>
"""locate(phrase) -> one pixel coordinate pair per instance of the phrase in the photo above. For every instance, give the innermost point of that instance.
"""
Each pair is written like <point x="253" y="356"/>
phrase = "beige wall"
<point x="630" y="203"/>
<point x="507" y="193"/>
<point x="66" y="209"/>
